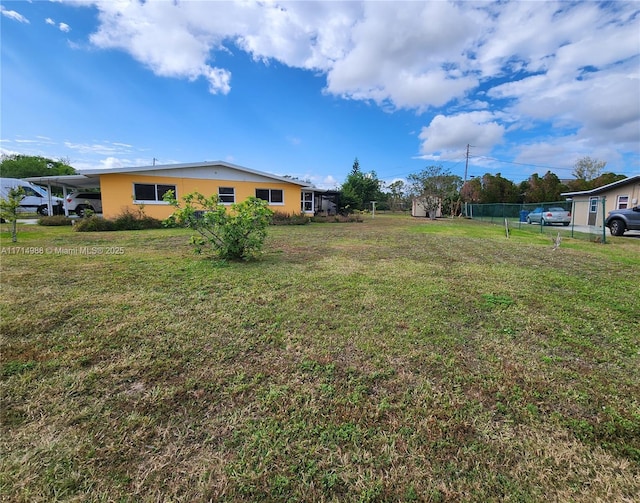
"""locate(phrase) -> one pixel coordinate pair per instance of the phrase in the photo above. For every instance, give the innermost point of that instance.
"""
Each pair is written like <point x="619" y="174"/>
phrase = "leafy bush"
<point x="280" y="218"/>
<point x="126" y="221"/>
<point x="135" y="221"/>
<point x="352" y="217"/>
<point x="93" y="224"/>
<point x="55" y="220"/>
<point x="234" y="233"/>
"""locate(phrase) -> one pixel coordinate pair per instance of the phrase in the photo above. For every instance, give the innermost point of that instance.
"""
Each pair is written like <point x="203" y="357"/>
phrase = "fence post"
<point x="604" y="229"/>
<point x="573" y="215"/>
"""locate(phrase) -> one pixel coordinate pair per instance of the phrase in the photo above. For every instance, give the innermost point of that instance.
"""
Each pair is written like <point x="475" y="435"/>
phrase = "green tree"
<point x="606" y="179"/>
<point x="9" y="210"/>
<point x="436" y="188"/>
<point x="471" y="191"/>
<point x="24" y="166"/>
<point x="355" y="169"/>
<point x="359" y="189"/>
<point x="397" y="196"/>
<point x="234" y="233"/>
<point x="496" y="189"/>
<point x="538" y="190"/>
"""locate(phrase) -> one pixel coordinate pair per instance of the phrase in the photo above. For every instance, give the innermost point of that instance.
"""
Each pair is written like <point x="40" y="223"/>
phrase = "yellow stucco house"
<point x="144" y="187"/>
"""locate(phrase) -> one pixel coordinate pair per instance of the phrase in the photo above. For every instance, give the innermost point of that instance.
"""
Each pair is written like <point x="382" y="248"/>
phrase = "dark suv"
<point x="620" y="221"/>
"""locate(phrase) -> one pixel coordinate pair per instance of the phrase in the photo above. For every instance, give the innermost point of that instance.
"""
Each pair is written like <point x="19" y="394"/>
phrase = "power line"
<point x="406" y="173"/>
<point x="522" y="163"/>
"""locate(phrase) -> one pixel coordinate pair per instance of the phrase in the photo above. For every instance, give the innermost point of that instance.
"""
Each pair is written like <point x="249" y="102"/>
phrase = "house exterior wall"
<point x="118" y="190"/>
<point x="581" y="202"/>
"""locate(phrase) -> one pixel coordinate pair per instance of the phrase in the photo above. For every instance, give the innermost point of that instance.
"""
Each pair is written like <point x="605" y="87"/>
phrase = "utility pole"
<point x="154" y="161"/>
<point x="466" y="164"/>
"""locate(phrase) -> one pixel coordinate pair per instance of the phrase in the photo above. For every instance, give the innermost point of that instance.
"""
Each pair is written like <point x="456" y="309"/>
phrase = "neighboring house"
<point x="144" y="187"/>
<point x="588" y="207"/>
<point x="424" y="206"/>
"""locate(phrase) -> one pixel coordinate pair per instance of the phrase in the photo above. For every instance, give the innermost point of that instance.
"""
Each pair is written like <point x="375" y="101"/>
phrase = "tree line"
<point x="434" y="184"/>
<point x="25" y="166"/>
<point x="438" y="187"/>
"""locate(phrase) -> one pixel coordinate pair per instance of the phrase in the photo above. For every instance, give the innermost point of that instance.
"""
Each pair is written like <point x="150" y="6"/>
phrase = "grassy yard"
<point x="392" y="360"/>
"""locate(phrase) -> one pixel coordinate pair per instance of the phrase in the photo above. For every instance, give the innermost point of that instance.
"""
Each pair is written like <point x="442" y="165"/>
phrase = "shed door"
<point x="593" y="211"/>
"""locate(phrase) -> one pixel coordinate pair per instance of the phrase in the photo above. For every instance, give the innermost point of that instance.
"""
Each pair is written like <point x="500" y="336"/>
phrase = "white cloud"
<point x="112" y="162"/>
<point x="321" y="182"/>
<point x="12" y="14"/>
<point x="574" y="65"/>
<point x="409" y="56"/>
<point x="64" y="27"/>
<point x="50" y="21"/>
<point x="171" y="39"/>
<point x="104" y="148"/>
<point x="445" y="136"/>
<point x="8" y="152"/>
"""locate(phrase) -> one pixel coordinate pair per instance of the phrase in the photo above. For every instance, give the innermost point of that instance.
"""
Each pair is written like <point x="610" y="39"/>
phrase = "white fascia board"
<point x="216" y="170"/>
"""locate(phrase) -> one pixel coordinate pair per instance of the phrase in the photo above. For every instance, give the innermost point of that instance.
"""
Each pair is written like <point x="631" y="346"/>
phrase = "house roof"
<point x="192" y="165"/>
<point x="604" y="188"/>
<point x="90" y="178"/>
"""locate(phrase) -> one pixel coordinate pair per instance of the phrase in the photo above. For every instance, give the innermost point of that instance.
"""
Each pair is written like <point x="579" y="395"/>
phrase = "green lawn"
<point x="397" y="359"/>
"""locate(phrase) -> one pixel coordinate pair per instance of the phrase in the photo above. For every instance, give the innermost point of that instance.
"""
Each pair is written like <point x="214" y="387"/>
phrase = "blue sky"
<point x="302" y="88"/>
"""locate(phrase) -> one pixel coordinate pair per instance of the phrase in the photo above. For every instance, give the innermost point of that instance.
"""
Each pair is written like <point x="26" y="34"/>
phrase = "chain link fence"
<point x="584" y="219"/>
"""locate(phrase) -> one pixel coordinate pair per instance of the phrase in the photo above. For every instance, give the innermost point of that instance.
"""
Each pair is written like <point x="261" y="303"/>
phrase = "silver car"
<point x="548" y="216"/>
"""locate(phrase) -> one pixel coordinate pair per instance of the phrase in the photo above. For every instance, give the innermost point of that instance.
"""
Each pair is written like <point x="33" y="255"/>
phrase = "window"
<point x="306" y="205"/>
<point x="623" y="202"/>
<point x="593" y="205"/>
<point x="272" y="196"/>
<point x="88" y="195"/>
<point x="227" y="195"/>
<point x="29" y="192"/>
<point x="151" y="192"/>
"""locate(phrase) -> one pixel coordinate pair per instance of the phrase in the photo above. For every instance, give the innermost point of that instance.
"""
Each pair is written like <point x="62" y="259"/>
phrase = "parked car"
<point x="80" y="202"/>
<point x="548" y="216"/>
<point x="36" y="199"/>
<point x="620" y="221"/>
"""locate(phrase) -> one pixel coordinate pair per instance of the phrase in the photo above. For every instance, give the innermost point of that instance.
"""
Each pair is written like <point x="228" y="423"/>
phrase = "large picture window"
<point x="152" y="192"/>
<point x="272" y="196"/>
<point x="227" y="195"/>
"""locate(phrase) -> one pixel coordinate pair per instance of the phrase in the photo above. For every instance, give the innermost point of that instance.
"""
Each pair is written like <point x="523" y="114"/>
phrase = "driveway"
<point x="588" y="229"/>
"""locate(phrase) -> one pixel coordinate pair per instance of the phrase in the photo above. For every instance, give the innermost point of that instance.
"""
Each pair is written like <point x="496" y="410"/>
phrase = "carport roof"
<point x="70" y="181"/>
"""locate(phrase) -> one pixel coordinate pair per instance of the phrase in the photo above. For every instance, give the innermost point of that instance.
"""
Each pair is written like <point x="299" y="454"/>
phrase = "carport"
<point x="67" y="183"/>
